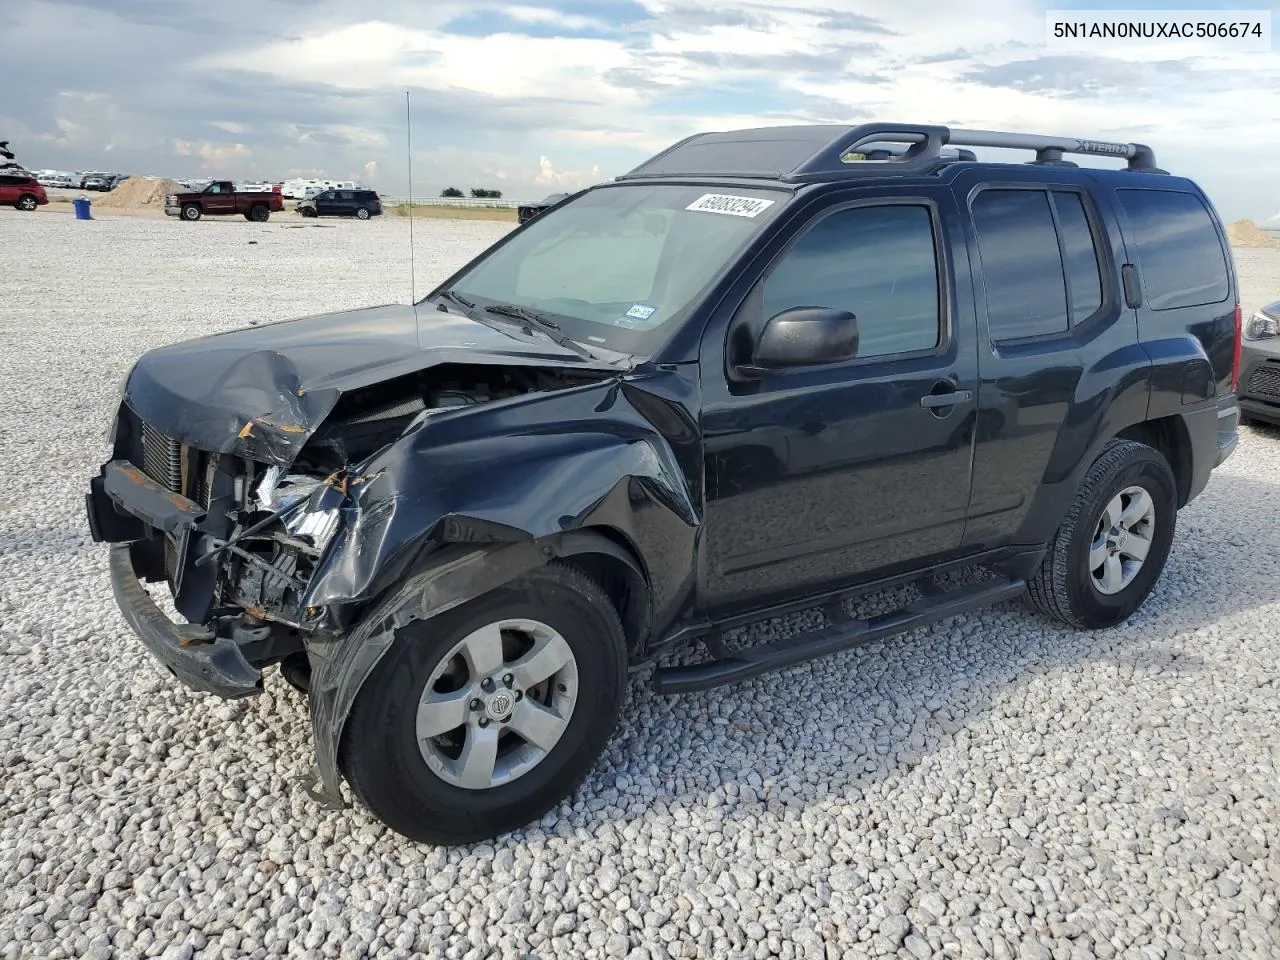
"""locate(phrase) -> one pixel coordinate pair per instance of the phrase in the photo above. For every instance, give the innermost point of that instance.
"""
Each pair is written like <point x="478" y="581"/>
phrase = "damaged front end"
<point x="238" y="541"/>
<point x="475" y="470"/>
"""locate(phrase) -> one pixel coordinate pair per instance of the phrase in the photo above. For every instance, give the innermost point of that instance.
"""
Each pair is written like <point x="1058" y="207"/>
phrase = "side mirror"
<point x="805" y="336"/>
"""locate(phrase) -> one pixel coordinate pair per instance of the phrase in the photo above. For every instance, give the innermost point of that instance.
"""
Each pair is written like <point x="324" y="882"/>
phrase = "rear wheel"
<point x="480" y="720"/>
<point x="27" y="202"/>
<point x="191" y="212"/>
<point x="1113" y="543"/>
<point x="259" y="213"/>
<point x="362" y="213"/>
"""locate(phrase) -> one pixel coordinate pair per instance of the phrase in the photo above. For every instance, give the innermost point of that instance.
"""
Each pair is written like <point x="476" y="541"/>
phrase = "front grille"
<point x="162" y="462"/>
<point x="161" y="458"/>
<point x="1265" y="380"/>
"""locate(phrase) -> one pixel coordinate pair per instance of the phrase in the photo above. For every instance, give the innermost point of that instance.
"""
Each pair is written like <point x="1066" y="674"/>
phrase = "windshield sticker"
<point x="730" y="205"/>
<point x="642" y="311"/>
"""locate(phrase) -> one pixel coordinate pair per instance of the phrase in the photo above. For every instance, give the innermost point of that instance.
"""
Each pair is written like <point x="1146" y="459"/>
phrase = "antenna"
<point x="408" y="125"/>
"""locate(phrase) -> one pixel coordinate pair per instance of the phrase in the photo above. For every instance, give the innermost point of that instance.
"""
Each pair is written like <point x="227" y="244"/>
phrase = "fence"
<point x="454" y="202"/>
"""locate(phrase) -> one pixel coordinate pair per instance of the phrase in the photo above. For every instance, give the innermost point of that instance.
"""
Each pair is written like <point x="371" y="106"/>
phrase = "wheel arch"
<point x="1170" y="436"/>
<point x="445" y="578"/>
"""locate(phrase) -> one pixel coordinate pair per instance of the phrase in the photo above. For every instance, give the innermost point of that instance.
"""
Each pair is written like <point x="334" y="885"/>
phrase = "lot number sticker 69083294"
<point x="730" y="205"/>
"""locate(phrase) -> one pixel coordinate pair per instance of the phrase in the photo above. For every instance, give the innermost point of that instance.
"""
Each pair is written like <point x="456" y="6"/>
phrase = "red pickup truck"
<point x="221" y="198"/>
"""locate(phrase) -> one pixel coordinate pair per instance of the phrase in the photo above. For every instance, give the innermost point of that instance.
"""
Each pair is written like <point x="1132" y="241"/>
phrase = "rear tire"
<point x="437" y="671"/>
<point x="191" y="212"/>
<point x="27" y="202"/>
<point x="362" y="213"/>
<point x="1093" y="576"/>
<point x="259" y="213"/>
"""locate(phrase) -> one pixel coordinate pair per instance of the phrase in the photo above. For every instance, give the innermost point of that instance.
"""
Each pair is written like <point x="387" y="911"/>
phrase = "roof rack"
<point x="806" y="153"/>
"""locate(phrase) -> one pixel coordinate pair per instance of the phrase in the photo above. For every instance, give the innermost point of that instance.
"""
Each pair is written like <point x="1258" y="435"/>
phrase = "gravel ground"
<point x="994" y="787"/>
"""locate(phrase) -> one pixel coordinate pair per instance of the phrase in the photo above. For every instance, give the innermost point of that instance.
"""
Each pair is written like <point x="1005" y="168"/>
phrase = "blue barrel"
<point x="82" y="208"/>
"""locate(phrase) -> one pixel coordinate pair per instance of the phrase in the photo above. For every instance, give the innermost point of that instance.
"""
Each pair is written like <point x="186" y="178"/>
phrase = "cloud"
<point x="318" y="86"/>
<point x="549" y="176"/>
<point x="213" y="155"/>
<point x="371" y="171"/>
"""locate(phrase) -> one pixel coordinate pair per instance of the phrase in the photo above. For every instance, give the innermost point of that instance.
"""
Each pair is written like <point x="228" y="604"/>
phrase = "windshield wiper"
<point x="454" y="297"/>
<point x="549" y="326"/>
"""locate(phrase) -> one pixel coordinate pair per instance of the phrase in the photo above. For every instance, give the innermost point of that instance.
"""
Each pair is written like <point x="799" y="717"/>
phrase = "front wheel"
<point x="1113" y="543"/>
<point x="191" y="212"/>
<point x="480" y="720"/>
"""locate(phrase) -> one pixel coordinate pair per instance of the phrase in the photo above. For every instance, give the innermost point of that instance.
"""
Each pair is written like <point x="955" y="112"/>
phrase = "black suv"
<point x="361" y="204"/>
<point x="766" y="370"/>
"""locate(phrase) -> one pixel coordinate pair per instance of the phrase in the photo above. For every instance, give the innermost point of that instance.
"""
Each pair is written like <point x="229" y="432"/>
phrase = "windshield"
<point x="617" y="265"/>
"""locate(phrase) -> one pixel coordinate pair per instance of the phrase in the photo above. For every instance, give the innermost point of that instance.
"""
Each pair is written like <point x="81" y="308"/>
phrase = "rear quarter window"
<point x="1179" y="253"/>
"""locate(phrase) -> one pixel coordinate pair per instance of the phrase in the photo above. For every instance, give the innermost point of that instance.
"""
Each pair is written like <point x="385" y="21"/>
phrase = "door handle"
<point x="932" y="400"/>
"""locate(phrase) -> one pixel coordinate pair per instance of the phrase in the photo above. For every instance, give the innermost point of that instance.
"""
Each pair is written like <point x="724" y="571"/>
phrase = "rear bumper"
<point x="192" y="653"/>
<point x="1214" y="434"/>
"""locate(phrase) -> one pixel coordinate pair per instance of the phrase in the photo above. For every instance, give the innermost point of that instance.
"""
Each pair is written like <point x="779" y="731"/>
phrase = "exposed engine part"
<point x="368" y="419"/>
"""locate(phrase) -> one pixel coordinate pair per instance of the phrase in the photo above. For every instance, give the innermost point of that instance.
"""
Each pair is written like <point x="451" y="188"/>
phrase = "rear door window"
<point x="1021" y="264"/>
<point x="1180" y="255"/>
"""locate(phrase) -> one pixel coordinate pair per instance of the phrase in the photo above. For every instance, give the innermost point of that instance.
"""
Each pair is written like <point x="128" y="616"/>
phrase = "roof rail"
<point x="800" y="154"/>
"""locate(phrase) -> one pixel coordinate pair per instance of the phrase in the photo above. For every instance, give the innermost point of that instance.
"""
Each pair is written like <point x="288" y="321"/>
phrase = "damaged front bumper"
<point x="222" y="651"/>
<point x="191" y="652"/>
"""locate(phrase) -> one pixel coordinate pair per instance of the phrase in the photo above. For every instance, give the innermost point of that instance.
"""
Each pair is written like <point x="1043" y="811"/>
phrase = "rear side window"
<point x="879" y="263"/>
<point x="1179" y="253"/>
<point x="1079" y="255"/>
<point x="1021" y="264"/>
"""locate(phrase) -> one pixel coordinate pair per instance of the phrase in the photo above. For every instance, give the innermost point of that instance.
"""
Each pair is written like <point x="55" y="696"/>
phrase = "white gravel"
<point x="995" y="787"/>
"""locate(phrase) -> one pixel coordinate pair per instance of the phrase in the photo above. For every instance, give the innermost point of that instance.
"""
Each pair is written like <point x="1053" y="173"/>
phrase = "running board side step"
<point x="753" y="661"/>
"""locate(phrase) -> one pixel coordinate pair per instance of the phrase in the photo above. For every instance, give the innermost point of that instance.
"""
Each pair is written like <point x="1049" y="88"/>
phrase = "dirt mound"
<point x="1246" y="233"/>
<point x="138" y="193"/>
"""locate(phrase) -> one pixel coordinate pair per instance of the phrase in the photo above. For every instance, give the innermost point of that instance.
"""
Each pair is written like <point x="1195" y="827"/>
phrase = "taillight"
<point x="1235" y="357"/>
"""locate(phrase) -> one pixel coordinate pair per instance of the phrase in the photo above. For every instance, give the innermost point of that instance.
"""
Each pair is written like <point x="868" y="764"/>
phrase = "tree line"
<point x="479" y="193"/>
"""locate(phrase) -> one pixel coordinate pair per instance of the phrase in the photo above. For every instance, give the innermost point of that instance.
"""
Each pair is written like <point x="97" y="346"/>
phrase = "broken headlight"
<point x="278" y="491"/>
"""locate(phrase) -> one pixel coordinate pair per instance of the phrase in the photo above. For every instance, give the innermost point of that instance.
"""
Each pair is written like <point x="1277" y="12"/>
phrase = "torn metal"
<point x="333" y="478"/>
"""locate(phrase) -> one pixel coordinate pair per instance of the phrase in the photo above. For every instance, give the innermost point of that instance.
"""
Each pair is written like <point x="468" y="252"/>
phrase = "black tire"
<point x="380" y="755"/>
<point x="259" y="213"/>
<point x="1064" y="587"/>
<point x="362" y="213"/>
<point x="307" y="212"/>
<point x="191" y="212"/>
<point x="27" y="202"/>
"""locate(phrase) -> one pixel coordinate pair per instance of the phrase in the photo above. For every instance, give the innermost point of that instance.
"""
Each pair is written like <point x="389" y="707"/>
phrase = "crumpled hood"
<point x="261" y="392"/>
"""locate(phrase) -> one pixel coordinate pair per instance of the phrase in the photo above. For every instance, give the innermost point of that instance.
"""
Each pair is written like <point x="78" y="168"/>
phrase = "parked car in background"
<point x="23" y="192"/>
<point x="221" y="198"/>
<point x="361" y="204"/>
<point x="98" y="183"/>
<point x="527" y="211"/>
<point x="1259" y="389"/>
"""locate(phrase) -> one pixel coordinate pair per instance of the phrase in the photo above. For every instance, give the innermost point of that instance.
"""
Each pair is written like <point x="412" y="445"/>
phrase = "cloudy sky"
<point x="537" y="96"/>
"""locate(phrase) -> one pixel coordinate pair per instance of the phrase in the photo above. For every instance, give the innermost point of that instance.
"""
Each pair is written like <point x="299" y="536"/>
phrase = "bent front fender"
<point x="465" y="502"/>
<point x="341" y="662"/>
